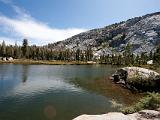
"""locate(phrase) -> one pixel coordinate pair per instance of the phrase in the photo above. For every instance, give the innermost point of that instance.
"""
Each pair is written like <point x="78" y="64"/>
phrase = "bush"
<point x="150" y="101"/>
<point x="150" y="84"/>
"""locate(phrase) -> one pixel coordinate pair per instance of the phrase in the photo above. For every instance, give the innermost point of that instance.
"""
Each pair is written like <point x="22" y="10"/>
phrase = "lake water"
<point x="58" y="92"/>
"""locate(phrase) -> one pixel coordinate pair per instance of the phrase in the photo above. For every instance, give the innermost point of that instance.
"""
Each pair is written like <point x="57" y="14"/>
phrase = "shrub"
<point x="150" y="101"/>
<point x="145" y="84"/>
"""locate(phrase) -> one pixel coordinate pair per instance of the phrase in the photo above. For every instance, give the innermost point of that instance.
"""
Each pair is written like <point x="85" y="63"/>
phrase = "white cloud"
<point x="9" y="41"/>
<point x="40" y="85"/>
<point x="35" y="30"/>
<point x="25" y="26"/>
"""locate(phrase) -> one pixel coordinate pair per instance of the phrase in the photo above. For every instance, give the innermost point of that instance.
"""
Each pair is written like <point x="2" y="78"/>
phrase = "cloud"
<point x="6" y="1"/>
<point x="25" y="26"/>
<point x="30" y="28"/>
<point x="8" y="40"/>
<point x="40" y="85"/>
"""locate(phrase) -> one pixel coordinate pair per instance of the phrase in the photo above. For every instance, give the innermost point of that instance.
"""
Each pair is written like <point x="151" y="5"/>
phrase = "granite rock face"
<point x="142" y="32"/>
<point x="142" y="115"/>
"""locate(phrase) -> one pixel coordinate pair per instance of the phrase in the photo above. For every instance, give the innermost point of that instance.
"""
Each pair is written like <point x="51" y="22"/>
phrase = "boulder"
<point x="10" y="59"/>
<point x="146" y="115"/>
<point x="150" y="62"/>
<point x="139" y="78"/>
<point x="91" y="62"/>
<point x="4" y="59"/>
<point x="142" y="115"/>
<point x="109" y="116"/>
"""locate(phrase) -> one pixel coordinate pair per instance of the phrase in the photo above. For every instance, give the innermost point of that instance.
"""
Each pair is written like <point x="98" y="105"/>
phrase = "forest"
<point x="33" y="52"/>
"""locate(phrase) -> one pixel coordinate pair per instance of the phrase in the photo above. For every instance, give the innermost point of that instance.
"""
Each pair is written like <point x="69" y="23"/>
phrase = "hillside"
<point x="143" y="33"/>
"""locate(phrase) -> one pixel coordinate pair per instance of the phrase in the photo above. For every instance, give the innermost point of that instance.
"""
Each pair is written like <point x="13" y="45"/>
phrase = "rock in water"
<point x="142" y="72"/>
<point x="139" y="78"/>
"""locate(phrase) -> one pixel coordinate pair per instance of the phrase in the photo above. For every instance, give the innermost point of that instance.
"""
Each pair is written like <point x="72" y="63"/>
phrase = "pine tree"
<point x="16" y="51"/>
<point x="89" y="53"/>
<point x="78" y="54"/>
<point x="144" y="58"/>
<point x="137" y="60"/>
<point x="156" y="57"/>
<point x="150" y="55"/>
<point x="3" y="49"/>
<point x="25" y="48"/>
<point x="128" y="54"/>
<point x="9" y="51"/>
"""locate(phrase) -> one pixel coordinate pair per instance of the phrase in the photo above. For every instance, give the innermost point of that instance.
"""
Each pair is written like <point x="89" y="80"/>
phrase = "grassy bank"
<point x="45" y="62"/>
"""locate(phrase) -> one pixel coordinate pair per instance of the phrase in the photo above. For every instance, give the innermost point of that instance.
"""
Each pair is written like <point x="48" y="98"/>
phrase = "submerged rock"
<point x="142" y="115"/>
<point x="137" y="78"/>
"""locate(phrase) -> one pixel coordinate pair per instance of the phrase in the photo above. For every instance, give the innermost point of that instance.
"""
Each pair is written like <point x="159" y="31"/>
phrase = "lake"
<point x="58" y="92"/>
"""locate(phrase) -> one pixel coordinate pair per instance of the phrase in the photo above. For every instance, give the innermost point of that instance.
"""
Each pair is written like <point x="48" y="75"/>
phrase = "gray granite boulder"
<point x="138" y="78"/>
<point x="142" y="115"/>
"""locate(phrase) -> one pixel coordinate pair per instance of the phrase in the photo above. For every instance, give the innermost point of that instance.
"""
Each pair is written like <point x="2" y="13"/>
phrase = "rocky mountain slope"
<point x="143" y="33"/>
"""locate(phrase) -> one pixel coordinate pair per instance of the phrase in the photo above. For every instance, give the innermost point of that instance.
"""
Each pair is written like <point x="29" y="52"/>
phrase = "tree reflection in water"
<point x="25" y="73"/>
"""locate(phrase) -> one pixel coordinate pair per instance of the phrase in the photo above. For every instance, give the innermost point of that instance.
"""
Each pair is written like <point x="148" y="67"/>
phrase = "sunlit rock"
<point x="142" y="115"/>
<point x="139" y="78"/>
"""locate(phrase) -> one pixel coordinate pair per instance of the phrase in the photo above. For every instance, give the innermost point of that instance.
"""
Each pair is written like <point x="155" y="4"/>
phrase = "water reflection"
<point x="25" y="73"/>
<point x="44" y="92"/>
<point x="9" y="77"/>
<point x="39" y="85"/>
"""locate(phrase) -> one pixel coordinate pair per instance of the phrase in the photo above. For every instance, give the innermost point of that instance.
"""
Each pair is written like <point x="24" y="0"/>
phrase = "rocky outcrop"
<point x="137" y="78"/>
<point x="6" y="58"/>
<point x="142" y="32"/>
<point x="142" y="115"/>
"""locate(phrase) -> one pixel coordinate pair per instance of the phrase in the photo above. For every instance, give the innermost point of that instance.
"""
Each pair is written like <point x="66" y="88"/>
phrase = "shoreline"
<point x="46" y="62"/>
<point x="58" y="62"/>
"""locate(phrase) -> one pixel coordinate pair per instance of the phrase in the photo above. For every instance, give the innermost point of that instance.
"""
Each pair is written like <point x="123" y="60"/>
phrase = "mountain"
<point x="142" y="33"/>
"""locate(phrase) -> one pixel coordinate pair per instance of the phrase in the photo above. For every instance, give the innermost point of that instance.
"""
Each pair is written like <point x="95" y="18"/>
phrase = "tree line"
<point x="128" y="58"/>
<point x="45" y="53"/>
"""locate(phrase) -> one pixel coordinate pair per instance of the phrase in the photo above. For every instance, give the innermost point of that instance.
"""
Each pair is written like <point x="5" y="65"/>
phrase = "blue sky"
<point x="47" y="21"/>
